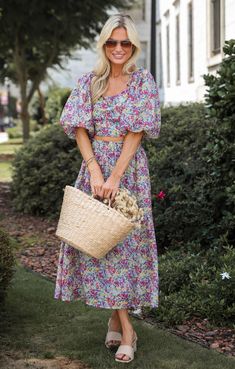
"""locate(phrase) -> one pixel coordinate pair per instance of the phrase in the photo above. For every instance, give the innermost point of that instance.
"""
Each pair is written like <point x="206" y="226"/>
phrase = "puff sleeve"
<point x="143" y="112"/>
<point x="77" y="111"/>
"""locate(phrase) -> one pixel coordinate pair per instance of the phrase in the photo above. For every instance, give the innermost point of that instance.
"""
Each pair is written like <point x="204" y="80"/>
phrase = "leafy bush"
<point x="7" y="262"/>
<point x="41" y="169"/>
<point x="55" y="101"/>
<point x="177" y="167"/>
<point x="194" y="284"/>
<point x="193" y="163"/>
<point x="221" y="93"/>
<point x="194" y="166"/>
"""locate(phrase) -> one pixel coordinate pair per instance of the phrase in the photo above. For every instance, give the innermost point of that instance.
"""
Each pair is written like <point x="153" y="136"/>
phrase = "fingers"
<point x="104" y="190"/>
<point x="99" y="191"/>
<point x="107" y="194"/>
<point x="110" y="194"/>
<point x="93" y="190"/>
<point x="113" y="195"/>
<point x="102" y="193"/>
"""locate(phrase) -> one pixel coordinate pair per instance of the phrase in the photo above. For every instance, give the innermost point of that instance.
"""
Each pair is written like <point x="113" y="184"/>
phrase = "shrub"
<point x="177" y="167"/>
<point x="55" y="101"/>
<point x="220" y="95"/>
<point x="193" y="163"/>
<point x="7" y="262"/>
<point x="193" y="284"/>
<point x="41" y="169"/>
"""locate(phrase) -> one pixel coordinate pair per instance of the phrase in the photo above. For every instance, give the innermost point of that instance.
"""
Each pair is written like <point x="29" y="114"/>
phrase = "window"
<point x="215" y="27"/>
<point x="177" y="33"/>
<point x="190" y="42"/>
<point x="143" y="10"/>
<point x="168" y="52"/>
<point x="159" y="57"/>
<point x="142" y="61"/>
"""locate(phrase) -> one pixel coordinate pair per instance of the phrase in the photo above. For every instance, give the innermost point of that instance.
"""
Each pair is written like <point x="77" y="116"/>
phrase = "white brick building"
<point x="190" y="37"/>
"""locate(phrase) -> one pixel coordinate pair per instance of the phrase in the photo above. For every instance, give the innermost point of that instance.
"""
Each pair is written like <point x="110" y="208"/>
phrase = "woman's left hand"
<point x="111" y="186"/>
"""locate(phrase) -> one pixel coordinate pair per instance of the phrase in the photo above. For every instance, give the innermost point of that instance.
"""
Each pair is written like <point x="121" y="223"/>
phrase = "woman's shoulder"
<point x="85" y="78"/>
<point x="141" y="75"/>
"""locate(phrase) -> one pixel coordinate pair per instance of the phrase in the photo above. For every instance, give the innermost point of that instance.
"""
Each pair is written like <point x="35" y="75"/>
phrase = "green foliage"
<point x="56" y="99"/>
<point x="53" y="30"/>
<point x="41" y="169"/>
<point x="7" y="262"/>
<point x="192" y="162"/>
<point x="192" y="284"/>
<point x="221" y="93"/>
<point x="16" y="132"/>
<point x="177" y="167"/>
<point x="43" y="37"/>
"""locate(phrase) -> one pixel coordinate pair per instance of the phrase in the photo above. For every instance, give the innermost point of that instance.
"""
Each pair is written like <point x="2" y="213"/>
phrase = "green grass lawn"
<point x="5" y="171"/>
<point x="9" y="148"/>
<point x="40" y="326"/>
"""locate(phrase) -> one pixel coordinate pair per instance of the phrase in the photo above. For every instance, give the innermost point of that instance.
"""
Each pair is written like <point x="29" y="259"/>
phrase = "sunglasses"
<point x="111" y="44"/>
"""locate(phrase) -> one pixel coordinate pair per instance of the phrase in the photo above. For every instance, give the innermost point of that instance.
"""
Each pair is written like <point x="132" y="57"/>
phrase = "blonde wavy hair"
<point x="103" y="67"/>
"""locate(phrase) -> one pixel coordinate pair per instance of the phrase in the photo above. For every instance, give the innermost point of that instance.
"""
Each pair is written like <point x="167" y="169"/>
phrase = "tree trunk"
<point x="42" y="106"/>
<point x="25" y="119"/>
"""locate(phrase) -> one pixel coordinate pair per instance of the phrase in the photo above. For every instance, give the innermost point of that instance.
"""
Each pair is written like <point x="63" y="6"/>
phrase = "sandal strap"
<point x="113" y="336"/>
<point x="126" y="350"/>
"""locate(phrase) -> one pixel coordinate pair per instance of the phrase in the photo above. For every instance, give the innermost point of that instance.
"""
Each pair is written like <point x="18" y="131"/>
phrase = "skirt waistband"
<point x="109" y="138"/>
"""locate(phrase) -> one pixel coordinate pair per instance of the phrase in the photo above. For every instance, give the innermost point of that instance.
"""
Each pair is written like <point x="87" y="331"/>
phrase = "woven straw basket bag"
<point x="89" y="225"/>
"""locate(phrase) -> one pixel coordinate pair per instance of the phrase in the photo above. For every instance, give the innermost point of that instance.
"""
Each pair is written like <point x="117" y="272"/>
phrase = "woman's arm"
<point x="130" y="145"/>
<point x="84" y="144"/>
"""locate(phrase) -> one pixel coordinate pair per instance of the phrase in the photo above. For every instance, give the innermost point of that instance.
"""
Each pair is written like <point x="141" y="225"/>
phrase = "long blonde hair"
<point x="103" y="67"/>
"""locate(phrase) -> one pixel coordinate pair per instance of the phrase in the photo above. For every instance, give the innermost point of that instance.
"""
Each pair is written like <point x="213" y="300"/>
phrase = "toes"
<point x="122" y="357"/>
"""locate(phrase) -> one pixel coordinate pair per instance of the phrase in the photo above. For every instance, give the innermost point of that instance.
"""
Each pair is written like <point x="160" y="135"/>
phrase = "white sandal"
<point x="112" y="336"/>
<point x="127" y="350"/>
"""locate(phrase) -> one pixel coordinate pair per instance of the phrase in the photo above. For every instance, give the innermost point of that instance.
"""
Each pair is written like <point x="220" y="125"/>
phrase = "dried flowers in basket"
<point x="126" y="204"/>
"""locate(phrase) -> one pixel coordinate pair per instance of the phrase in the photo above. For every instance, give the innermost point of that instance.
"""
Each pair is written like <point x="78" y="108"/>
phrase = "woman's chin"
<point x="118" y="61"/>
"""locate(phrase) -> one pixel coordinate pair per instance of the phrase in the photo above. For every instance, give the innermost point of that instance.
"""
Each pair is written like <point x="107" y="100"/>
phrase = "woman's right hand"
<point x="96" y="180"/>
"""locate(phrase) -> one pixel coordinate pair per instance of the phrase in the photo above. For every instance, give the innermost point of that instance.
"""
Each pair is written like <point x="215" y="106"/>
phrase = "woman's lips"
<point x="118" y="56"/>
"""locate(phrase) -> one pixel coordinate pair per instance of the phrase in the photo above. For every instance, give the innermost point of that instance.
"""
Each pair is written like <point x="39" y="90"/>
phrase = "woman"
<point x="109" y="112"/>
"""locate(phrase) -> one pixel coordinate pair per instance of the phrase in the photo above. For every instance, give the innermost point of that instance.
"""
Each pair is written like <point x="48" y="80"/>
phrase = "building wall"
<point x="189" y="89"/>
<point x="141" y="14"/>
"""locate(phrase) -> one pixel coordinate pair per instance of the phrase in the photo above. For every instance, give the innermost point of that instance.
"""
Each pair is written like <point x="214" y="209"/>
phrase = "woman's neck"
<point x="116" y="70"/>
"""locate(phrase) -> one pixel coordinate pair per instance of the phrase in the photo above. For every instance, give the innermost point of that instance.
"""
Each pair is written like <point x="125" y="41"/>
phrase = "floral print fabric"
<point x="127" y="276"/>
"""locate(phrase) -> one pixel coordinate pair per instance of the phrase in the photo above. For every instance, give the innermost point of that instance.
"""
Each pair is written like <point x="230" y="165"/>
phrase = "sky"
<point x="74" y="69"/>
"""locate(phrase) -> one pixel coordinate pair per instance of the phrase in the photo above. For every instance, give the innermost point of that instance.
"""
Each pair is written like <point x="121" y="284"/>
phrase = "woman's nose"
<point x="118" y="47"/>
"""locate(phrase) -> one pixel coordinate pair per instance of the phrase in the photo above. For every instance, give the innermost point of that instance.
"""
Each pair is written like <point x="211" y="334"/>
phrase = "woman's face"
<point x="118" y="54"/>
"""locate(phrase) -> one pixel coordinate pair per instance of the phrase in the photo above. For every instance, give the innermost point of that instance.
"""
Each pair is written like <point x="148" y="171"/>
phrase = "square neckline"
<point x="123" y="91"/>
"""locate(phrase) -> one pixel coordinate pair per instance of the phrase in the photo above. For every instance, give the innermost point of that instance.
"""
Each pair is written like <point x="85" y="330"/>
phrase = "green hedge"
<point x="194" y="284"/>
<point x="41" y="169"/>
<point x="7" y="262"/>
<point x="193" y="164"/>
<point x="54" y="100"/>
<point x="177" y="168"/>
